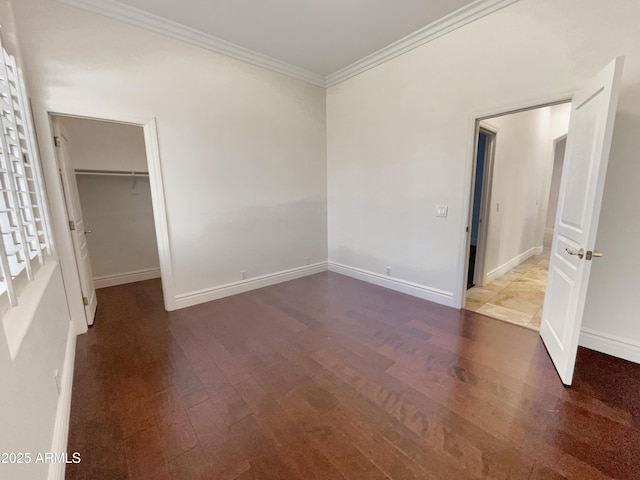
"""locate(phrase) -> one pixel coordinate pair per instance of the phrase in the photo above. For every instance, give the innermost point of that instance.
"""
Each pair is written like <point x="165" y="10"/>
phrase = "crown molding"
<point x="148" y="21"/>
<point x="451" y="22"/>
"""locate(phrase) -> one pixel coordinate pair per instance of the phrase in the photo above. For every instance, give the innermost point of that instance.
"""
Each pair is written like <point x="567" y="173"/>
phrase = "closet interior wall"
<point x="115" y="196"/>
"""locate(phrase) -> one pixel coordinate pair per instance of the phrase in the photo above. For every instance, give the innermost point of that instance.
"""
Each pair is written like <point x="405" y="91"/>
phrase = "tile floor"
<point x="518" y="295"/>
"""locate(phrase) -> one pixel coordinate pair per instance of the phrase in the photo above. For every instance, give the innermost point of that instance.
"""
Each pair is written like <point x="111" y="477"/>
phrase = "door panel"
<point x="72" y="202"/>
<point x="83" y="249"/>
<point x="585" y="165"/>
<point x="561" y="285"/>
<point x="578" y="174"/>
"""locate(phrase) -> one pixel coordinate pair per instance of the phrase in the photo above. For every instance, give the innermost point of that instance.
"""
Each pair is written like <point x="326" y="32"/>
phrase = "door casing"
<point x="475" y="120"/>
<point x="485" y="200"/>
<point x="63" y="245"/>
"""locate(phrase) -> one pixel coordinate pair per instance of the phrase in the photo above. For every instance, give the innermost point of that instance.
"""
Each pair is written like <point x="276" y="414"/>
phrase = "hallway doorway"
<point x="518" y="164"/>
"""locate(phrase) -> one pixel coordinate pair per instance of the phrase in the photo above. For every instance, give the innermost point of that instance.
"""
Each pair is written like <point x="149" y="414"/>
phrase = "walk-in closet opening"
<point x="105" y="175"/>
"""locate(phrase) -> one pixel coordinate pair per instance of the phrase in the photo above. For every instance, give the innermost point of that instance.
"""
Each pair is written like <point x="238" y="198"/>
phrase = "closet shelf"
<point x="111" y="173"/>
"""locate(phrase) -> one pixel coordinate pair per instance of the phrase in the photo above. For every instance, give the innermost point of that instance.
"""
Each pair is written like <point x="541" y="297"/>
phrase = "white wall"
<point x="109" y="146"/>
<point x="120" y="217"/>
<point x="520" y="147"/>
<point x="399" y="142"/>
<point x="28" y="394"/>
<point x="243" y="154"/>
<point x="117" y="210"/>
<point x="559" y="120"/>
<point x="242" y="148"/>
<point x="558" y="127"/>
<point x="521" y="176"/>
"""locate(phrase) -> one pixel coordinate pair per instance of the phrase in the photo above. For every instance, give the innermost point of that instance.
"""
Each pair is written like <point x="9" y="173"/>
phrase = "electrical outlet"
<point x="388" y="270"/>
<point x="56" y="378"/>
<point x="307" y="260"/>
<point x="243" y="273"/>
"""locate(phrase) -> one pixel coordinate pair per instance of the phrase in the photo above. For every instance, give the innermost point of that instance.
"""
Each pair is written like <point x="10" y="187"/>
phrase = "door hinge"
<point x="72" y="225"/>
<point x="57" y="142"/>
<point x="467" y="229"/>
<point x="85" y="301"/>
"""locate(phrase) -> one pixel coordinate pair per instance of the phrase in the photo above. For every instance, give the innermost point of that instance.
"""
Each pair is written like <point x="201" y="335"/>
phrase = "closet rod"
<point x="111" y="173"/>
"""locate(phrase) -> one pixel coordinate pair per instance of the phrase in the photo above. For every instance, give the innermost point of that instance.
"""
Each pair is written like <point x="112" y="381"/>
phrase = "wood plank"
<point x="326" y="377"/>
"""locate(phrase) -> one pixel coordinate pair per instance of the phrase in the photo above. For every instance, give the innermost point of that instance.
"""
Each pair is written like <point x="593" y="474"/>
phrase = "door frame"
<point x="554" y="146"/>
<point x="63" y="246"/>
<point x="491" y="131"/>
<point x="474" y="120"/>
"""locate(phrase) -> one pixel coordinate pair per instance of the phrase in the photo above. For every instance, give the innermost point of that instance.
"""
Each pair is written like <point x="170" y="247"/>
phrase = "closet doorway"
<point x="105" y="176"/>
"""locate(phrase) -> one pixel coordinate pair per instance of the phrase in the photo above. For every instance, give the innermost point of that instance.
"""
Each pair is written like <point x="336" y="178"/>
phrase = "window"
<point x="23" y="218"/>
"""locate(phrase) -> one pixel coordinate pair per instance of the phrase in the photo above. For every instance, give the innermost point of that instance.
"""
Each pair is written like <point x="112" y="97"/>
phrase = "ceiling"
<point x="322" y="36"/>
<point x="321" y="41"/>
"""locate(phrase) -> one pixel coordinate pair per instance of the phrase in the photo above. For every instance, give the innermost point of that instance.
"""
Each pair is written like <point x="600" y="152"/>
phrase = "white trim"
<point x="148" y="21"/>
<point x="209" y="294"/>
<point x="414" y="289"/>
<point x="154" y="23"/>
<point x="610" y="344"/>
<point x="514" y="262"/>
<point x="127" y="277"/>
<point x="493" y="128"/>
<point x="479" y="276"/>
<point x="55" y="199"/>
<point x="453" y="21"/>
<point x="63" y="411"/>
<point x="62" y="244"/>
<point x="160" y="216"/>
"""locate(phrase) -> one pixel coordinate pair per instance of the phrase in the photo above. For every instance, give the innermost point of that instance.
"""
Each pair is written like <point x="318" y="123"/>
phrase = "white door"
<point x="593" y="111"/>
<point x="76" y="223"/>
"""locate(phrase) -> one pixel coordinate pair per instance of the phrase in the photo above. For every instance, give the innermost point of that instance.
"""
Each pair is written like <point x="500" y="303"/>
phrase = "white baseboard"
<point x="421" y="291"/>
<point x="514" y="262"/>
<point x="610" y="344"/>
<point x="209" y="294"/>
<point x="127" y="277"/>
<point x="63" y="411"/>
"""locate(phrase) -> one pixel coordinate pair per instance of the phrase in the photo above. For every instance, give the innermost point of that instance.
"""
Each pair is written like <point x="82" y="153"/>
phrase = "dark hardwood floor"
<point x="326" y="378"/>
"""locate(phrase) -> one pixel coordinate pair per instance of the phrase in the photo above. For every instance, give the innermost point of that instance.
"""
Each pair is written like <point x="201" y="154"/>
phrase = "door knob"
<point x="86" y="232"/>
<point x="579" y="253"/>
<point x="591" y="254"/>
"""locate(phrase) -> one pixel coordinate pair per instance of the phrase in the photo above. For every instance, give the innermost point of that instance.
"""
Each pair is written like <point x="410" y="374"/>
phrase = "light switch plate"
<point x="442" y="211"/>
